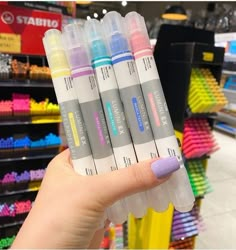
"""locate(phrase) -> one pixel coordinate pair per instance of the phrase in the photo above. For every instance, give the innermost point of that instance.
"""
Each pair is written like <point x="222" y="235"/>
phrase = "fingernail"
<point x="163" y="167"/>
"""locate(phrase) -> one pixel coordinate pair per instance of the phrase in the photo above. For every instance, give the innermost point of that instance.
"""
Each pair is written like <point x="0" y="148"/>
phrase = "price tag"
<point x="10" y="43"/>
<point x="208" y="56"/>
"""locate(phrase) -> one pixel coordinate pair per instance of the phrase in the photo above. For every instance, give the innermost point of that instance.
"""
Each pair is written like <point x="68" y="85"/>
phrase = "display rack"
<point x="179" y="52"/>
<point x="29" y="140"/>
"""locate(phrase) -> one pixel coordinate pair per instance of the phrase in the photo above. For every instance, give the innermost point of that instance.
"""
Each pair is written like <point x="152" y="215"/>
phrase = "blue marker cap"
<point x="95" y="36"/>
<point x="114" y="28"/>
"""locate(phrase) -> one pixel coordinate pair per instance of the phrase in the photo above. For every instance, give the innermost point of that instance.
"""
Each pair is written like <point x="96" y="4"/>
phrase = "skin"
<point x="69" y="208"/>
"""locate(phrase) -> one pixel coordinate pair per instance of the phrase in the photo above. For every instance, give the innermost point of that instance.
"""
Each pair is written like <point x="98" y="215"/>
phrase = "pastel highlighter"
<point x="186" y="224"/>
<point x="122" y="145"/>
<point x="133" y="101"/>
<point x="198" y="139"/>
<point x="7" y="241"/>
<point x="86" y="89"/>
<point x="187" y="243"/>
<point x="6" y="108"/>
<point x="178" y="185"/>
<point x="43" y="107"/>
<point x="21" y="104"/>
<point x="205" y="95"/>
<point x="198" y="178"/>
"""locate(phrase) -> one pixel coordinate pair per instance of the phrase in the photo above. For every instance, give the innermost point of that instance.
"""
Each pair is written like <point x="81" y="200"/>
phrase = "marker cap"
<point x="114" y="28"/>
<point x="53" y="46"/>
<point x="137" y="32"/>
<point x="95" y="35"/>
<point x="52" y="40"/>
<point x="75" y="44"/>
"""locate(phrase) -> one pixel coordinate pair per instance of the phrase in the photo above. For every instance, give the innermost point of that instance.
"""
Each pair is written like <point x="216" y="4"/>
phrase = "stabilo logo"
<point x="8" y="18"/>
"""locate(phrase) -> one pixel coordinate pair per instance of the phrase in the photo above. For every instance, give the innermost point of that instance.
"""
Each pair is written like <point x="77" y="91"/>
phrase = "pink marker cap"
<point x="137" y="32"/>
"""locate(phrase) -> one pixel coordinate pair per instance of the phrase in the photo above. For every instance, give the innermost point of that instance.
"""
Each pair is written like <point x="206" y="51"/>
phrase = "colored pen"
<point x="69" y="106"/>
<point x="87" y="93"/>
<point x="178" y="185"/>
<point x="119" y="133"/>
<point x="132" y="98"/>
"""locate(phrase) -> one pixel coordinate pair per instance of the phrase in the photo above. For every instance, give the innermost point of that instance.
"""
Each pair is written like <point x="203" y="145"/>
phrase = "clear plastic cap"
<point x="76" y="46"/>
<point x="115" y="31"/>
<point x="137" y="32"/>
<point x="54" y="49"/>
<point x="95" y="35"/>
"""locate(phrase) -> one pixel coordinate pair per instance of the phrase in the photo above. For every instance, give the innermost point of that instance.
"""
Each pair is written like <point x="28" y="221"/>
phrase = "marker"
<point x="119" y="133"/>
<point x="87" y="93"/>
<point x="179" y="187"/>
<point x="69" y="106"/>
<point x="132" y="98"/>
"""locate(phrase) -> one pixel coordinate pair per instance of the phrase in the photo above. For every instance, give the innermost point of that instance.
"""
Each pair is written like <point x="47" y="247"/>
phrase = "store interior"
<point x="193" y="45"/>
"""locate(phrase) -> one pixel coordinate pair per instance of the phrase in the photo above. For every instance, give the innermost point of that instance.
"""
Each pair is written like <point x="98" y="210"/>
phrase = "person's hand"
<point x="69" y="208"/>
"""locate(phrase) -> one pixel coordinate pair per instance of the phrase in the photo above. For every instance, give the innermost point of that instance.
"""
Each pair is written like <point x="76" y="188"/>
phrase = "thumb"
<point x="136" y="178"/>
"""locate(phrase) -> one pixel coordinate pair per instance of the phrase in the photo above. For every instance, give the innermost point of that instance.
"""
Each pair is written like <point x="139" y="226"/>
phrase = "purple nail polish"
<point x="163" y="167"/>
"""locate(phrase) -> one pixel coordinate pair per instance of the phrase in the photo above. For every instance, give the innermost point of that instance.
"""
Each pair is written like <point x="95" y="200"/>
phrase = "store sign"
<point x="29" y="25"/>
<point x="10" y="43"/>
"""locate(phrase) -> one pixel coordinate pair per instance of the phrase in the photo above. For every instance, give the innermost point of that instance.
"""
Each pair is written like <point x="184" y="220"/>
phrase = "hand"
<point x="69" y="208"/>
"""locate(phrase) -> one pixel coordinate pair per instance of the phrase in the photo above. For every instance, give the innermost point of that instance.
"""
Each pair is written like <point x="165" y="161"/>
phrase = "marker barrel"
<point x="69" y="106"/>
<point x="178" y="185"/>
<point x="120" y="136"/>
<point x="92" y="111"/>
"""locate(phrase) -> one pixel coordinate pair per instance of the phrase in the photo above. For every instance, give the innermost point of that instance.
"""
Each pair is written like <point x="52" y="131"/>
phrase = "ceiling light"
<point x="104" y="11"/>
<point x="88" y="17"/>
<point x="124" y="3"/>
<point x="95" y="15"/>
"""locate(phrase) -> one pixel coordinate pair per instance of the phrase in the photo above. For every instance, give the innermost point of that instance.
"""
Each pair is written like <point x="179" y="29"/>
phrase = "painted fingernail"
<point x="163" y="167"/>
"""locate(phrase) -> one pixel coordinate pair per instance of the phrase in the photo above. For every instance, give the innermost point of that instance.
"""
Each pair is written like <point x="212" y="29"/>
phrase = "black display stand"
<point x="177" y="51"/>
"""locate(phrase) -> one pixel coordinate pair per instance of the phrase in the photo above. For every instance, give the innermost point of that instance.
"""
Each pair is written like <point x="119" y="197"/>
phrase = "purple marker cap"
<point x="75" y="45"/>
<point x="77" y="58"/>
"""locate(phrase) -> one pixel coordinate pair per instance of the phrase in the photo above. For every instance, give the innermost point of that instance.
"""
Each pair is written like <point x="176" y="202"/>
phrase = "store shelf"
<point x="24" y="158"/>
<point x="204" y="157"/>
<point x="18" y="223"/>
<point x="24" y="120"/>
<point x="225" y="128"/>
<point x="228" y="72"/>
<point x="229" y="57"/>
<point x="227" y="118"/>
<point x="225" y="37"/>
<point x="230" y="95"/>
<point x="23" y="191"/>
<point x="26" y="84"/>
<point x="189" y="114"/>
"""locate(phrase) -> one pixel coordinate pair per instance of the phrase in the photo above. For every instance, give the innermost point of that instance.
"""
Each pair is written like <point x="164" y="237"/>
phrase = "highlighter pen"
<point x="87" y="93"/>
<point x="69" y="106"/>
<point x="179" y="187"/>
<point x="133" y="101"/>
<point x="119" y="133"/>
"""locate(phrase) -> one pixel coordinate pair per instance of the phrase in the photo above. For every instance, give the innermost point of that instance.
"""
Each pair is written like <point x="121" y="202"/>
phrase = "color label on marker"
<point x="75" y="130"/>
<point x="157" y="109"/>
<point x="136" y="114"/>
<point x="125" y="71"/>
<point x="97" y="129"/>
<point x="111" y="119"/>
<point x="154" y="110"/>
<point x="115" y="118"/>
<point x="101" y="62"/>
